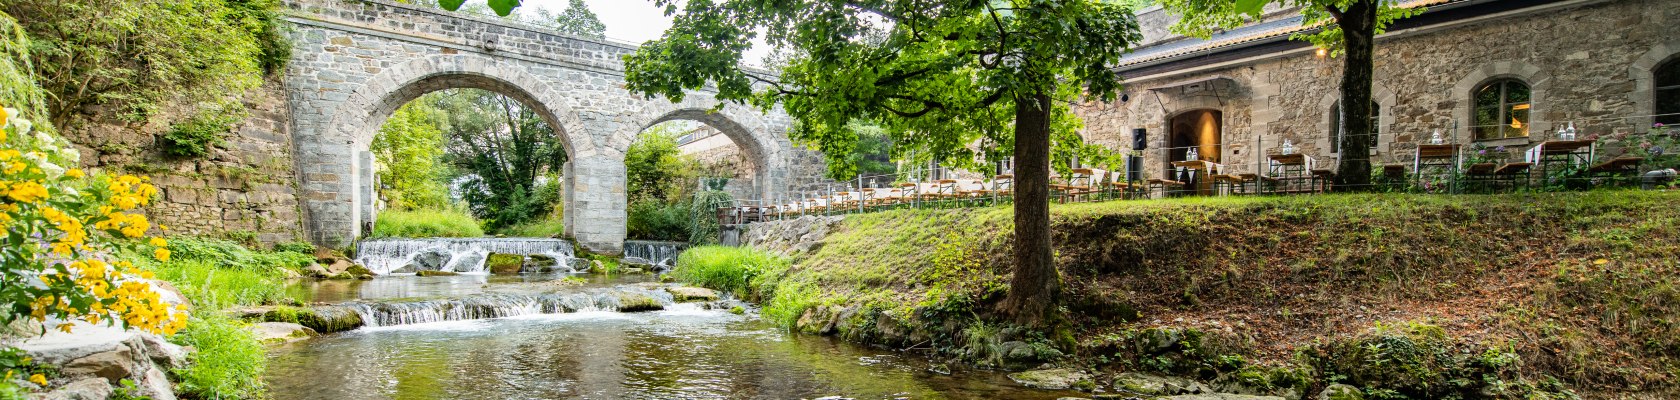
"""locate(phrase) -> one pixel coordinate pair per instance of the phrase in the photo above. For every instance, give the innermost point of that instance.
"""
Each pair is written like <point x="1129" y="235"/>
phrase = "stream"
<point x="684" y="351"/>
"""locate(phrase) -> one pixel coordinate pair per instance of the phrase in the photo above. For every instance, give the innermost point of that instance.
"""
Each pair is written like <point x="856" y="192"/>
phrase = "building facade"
<point x="1494" y="72"/>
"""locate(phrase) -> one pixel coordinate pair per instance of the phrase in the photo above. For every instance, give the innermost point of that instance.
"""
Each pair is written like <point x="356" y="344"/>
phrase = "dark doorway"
<point x="1198" y="129"/>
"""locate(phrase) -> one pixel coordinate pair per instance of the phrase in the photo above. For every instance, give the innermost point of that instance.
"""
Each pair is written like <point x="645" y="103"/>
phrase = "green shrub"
<point x="702" y="216"/>
<point x="295" y="247"/>
<point x="212" y="287"/>
<point x="230" y="255"/>
<point x="228" y="363"/>
<point x="426" y="223"/>
<point x="658" y="220"/>
<point x="195" y="137"/>
<point x="745" y="271"/>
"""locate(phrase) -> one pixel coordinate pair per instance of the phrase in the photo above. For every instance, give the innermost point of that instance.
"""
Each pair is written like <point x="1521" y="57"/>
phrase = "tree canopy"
<point x="937" y="76"/>
<point x="578" y="20"/>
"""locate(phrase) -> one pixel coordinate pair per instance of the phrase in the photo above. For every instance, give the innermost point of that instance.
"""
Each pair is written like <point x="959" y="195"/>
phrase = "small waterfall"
<point x="655" y="253"/>
<point x="465" y="255"/>
<point x="507" y="305"/>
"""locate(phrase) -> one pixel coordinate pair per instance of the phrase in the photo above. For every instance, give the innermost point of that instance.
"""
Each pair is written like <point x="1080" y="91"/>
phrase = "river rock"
<point x="1341" y="392"/>
<point x="636" y="261"/>
<point x="539" y="263"/>
<point x="91" y="354"/>
<point x="503" y="263"/>
<point x="317" y="271"/>
<point x="683" y="294"/>
<point x="436" y="273"/>
<point x="84" y="389"/>
<point x="1052" y="379"/>
<point x="114" y="365"/>
<point x="430" y="260"/>
<point x="280" y="332"/>
<point x="1155" y="385"/>
<point x="635" y="302"/>
<point x="578" y="264"/>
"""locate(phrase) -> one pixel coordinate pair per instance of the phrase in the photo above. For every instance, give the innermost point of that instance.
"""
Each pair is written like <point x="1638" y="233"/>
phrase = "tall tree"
<point x="410" y="149"/>
<point x="935" y="75"/>
<point x="509" y="148"/>
<point x="1348" y="28"/>
<point x="579" y="21"/>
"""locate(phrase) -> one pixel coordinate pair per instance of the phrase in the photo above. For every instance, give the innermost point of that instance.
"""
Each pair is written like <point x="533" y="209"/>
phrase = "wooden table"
<point x="1291" y="171"/>
<point x="1199" y="172"/>
<point x="1441" y="157"/>
<point x="1566" y="152"/>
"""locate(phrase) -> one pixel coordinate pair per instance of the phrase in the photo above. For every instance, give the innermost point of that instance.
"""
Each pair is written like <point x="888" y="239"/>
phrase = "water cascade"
<point x="658" y="254"/>
<point x="464" y="255"/>
<point x="506" y="305"/>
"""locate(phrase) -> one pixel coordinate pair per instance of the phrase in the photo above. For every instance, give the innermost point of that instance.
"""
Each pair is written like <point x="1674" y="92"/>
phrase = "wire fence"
<point x="1596" y="152"/>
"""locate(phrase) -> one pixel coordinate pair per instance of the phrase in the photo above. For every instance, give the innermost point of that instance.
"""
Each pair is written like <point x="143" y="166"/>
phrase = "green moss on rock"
<point x="504" y="264"/>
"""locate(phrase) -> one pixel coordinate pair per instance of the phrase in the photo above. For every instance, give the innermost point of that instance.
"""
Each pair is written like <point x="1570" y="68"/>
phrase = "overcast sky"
<point x="633" y="21"/>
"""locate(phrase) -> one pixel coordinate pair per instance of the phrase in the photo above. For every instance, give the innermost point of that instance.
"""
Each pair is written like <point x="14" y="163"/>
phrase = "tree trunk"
<point x="1035" y="286"/>
<point x="1359" y="25"/>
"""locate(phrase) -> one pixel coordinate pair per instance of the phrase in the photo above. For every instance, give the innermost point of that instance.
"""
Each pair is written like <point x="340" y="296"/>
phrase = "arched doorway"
<point x="1198" y="130"/>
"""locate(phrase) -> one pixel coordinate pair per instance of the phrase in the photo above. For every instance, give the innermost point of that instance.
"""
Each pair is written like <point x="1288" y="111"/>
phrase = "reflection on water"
<point x="682" y="352"/>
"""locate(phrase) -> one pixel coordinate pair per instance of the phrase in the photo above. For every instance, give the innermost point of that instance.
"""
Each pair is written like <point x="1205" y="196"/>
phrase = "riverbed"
<point x="685" y="351"/>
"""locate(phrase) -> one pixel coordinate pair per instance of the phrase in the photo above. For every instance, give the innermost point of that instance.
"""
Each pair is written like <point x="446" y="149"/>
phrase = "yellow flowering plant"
<point x="64" y="230"/>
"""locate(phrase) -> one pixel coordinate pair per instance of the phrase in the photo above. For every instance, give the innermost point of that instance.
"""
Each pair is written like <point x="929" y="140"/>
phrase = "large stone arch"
<point x="358" y="117"/>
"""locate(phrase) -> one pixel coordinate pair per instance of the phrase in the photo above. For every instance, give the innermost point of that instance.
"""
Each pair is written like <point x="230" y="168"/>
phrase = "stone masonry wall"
<point x="1587" y="62"/>
<point x="242" y="190"/>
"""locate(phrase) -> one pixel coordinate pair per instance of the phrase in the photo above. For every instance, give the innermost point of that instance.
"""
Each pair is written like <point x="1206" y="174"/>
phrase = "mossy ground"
<point x="1580" y="287"/>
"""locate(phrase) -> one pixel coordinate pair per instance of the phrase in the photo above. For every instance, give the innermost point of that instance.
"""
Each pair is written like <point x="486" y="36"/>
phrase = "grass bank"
<point x="426" y="223"/>
<point x="1403" y="296"/>
<point x="228" y="361"/>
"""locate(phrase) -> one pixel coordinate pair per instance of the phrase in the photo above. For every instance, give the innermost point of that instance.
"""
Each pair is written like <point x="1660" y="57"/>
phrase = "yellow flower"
<point x="161" y="254"/>
<point x="74" y="173"/>
<point x="159" y="242"/>
<point x="64" y="327"/>
<point x="28" y="192"/>
<point x="1601" y="261"/>
<point x="3" y="117"/>
<point x="38" y="379"/>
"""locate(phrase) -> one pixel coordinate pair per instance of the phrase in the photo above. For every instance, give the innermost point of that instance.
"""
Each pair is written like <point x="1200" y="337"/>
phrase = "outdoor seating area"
<point x="1446" y="168"/>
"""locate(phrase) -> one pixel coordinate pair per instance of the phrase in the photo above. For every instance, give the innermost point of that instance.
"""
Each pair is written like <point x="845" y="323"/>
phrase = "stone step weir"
<point x="371" y="313"/>
<point x="661" y="255"/>
<point x="460" y="255"/>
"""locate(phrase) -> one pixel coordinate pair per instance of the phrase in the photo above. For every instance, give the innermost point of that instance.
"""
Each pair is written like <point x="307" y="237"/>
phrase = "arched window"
<point x="1336" y="130"/>
<point x="1667" y="92"/>
<point x="1501" y="110"/>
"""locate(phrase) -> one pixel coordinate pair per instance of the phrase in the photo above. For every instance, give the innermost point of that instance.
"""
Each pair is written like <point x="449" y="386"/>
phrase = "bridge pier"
<point x="595" y="214"/>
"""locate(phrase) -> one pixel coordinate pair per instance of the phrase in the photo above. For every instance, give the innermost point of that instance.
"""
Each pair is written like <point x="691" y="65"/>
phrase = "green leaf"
<point x="503" y="7"/>
<point x="451" y="5"/>
<point x="1250" y="7"/>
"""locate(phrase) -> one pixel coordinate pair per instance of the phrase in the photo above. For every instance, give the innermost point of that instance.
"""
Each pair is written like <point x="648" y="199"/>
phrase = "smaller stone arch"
<point x="1385" y="99"/>
<point x="1642" y="72"/>
<point x="1538" y="84"/>
<point x="762" y="137"/>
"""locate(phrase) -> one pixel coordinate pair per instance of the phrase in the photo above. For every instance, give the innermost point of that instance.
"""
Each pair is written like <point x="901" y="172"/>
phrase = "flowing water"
<point x="464" y="255"/>
<point x="659" y="254"/>
<point x="479" y="337"/>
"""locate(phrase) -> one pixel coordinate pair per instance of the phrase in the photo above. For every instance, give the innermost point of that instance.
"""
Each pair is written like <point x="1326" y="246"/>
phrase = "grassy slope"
<point x="1581" y="285"/>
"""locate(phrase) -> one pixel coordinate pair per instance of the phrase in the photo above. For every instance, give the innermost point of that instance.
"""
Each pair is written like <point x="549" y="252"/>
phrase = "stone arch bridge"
<point x="354" y="62"/>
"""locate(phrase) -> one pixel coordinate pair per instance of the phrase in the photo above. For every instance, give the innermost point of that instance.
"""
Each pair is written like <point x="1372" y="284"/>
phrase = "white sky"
<point x="634" y="21"/>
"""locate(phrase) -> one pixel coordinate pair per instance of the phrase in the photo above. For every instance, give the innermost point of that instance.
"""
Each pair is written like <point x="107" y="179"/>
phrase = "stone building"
<point x="1496" y="72"/>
